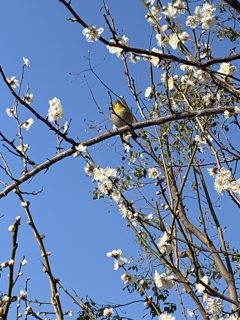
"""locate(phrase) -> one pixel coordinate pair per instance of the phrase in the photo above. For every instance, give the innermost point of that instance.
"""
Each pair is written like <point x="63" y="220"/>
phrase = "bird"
<point x="122" y="116"/>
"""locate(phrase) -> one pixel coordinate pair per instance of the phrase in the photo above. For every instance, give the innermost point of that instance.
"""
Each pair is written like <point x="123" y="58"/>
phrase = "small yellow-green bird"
<point x="122" y="116"/>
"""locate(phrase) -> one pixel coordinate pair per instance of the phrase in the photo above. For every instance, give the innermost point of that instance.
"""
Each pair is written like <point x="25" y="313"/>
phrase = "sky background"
<point x="79" y="231"/>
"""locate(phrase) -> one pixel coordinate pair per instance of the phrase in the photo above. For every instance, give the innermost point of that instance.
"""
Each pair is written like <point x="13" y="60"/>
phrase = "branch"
<point x="235" y="4"/>
<point x="148" y="53"/>
<point x="33" y="111"/>
<point x="106" y="135"/>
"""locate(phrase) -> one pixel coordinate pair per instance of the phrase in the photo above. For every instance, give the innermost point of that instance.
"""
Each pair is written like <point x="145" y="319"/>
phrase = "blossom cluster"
<point x="224" y="180"/>
<point x="55" y="111"/>
<point x="103" y="177"/>
<point x="163" y="280"/>
<point x="92" y="33"/>
<point x="119" y="260"/>
<point x="164" y="244"/>
<point x="203" y="16"/>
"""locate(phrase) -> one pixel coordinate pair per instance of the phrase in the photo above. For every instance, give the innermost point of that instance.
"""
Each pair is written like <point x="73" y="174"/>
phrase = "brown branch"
<point x="106" y="135"/>
<point x="33" y="111"/>
<point x="235" y="4"/>
<point x="148" y="53"/>
<point x="55" y="299"/>
<point x="11" y="268"/>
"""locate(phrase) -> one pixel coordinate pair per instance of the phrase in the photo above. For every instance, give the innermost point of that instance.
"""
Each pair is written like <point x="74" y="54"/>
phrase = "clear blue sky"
<point x="79" y="230"/>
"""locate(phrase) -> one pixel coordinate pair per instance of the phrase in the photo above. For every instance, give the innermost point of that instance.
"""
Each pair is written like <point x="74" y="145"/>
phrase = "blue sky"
<point x="79" y="231"/>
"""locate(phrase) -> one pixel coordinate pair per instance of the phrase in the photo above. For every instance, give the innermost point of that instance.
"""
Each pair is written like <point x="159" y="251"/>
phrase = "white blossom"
<point x="153" y="173"/>
<point x="164" y="244"/>
<point x="215" y="306"/>
<point x="170" y="11"/>
<point x="23" y="294"/>
<point x="88" y="169"/>
<point x="117" y="50"/>
<point x="153" y="59"/>
<point x="26" y="62"/>
<point x="153" y="16"/>
<point x="27" y="124"/>
<point x="163" y="281"/>
<point x="202" y="15"/>
<point x="183" y="36"/>
<point x="116" y="195"/>
<point x="227" y="69"/>
<point x="55" y="111"/>
<point x="180" y="6"/>
<point x="223" y="180"/>
<point x="166" y="316"/>
<point x="13" y="82"/>
<point x="81" y="148"/>
<point x="190" y="313"/>
<point x="235" y="186"/>
<point x="173" y="41"/>
<point x="24" y="262"/>
<point x="191" y="22"/>
<point x="149" y="92"/>
<point x="162" y="40"/>
<point x="28" y="98"/>
<point x="108" y="312"/>
<point x="101" y="174"/>
<point x="237" y="110"/>
<point x="212" y="171"/>
<point x="226" y="114"/>
<point x="11" y="228"/>
<point x="133" y="58"/>
<point x="119" y="260"/>
<point x="207" y="16"/>
<point x="116" y="253"/>
<point x="92" y="33"/>
<point x="126" y="278"/>
<point x="11" y="262"/>
<point x="23" y="148"/>
<point x="200" y="287"/>
<point x="11" y="112"/>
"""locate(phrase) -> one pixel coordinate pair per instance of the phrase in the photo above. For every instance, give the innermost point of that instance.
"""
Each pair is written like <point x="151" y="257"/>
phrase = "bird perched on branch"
<point x="122" y="116"/>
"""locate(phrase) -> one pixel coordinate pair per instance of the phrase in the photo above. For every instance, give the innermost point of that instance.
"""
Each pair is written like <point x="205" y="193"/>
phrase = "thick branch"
<point x="90" y="142"/>
<point x="235" y="4"/>
<point x="161" y="56"/>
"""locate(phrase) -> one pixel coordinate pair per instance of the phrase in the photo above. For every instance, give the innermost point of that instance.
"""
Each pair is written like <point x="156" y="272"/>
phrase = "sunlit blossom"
<point x="153" y="15"/>
<point x="214" y="306"/>
<point x="174" y="41"/>
<point x="164" y="244"/>
<point x="108" y="312"/>
<point x="92" y="33"/>
<point x="166" y="316"/>
<point x="153" y="173"/>
<point x="11" y="112"/>
<point x="227" y="69"/>
<point x="23" y="148"/>
<point x="26" y="62"/>
<point x="55" y="111"/>
<point x="119" y="260"/>
<point x="27" y="124"/>
<point x="149" y="93"/>
<point x="126" y="278"/>
<point x="13" y="82"/>
<point x="28" y="98"/>
<point x="199" y="286"/>
<point x="162" y="40"/>
<point x="163" y="281"/>
<point x="115" y="49"/>
<point x="170" y="11"/>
